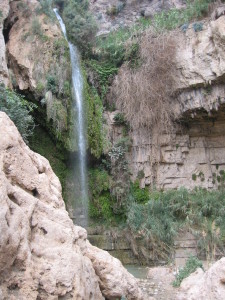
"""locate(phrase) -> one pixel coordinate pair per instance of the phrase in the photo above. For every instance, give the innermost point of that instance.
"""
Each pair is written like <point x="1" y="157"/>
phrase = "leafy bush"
<point x="19" y="110"/>
<point x="52" y="84"/>
<point x="139" y="195"/>
<point x="192" y="264"/>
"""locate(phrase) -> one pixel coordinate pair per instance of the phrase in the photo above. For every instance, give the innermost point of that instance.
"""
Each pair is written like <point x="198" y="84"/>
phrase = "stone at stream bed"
<point x="42" y="254"/>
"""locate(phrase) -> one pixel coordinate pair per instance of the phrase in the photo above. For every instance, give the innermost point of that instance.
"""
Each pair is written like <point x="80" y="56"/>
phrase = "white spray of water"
<point x="81" y="216"/>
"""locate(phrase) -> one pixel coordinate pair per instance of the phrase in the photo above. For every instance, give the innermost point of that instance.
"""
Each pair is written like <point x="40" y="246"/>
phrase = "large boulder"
<point x="202" y="286"/>
<point x="42" y="254"/>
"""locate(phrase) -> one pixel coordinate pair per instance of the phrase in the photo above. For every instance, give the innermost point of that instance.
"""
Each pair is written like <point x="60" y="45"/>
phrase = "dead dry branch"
<point x="145" y="94"/>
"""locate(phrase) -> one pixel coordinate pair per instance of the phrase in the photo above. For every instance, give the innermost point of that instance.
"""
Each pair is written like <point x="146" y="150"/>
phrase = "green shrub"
<point x="19" y="110"/>
<point x="52" y="84"/>
<point x="119" y="119"/>
<point x="191" y="266"/>
<point x="139" y="195"/>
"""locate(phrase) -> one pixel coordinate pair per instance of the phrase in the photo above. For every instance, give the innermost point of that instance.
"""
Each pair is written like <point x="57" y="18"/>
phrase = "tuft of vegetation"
<point x="173" y="18"/>
<point x="36" y="27"/>
<point x="192" y="264"/>
<point x="45" y="7"/>
<point x="119" y="119"/>
<point x="19" y="110"/>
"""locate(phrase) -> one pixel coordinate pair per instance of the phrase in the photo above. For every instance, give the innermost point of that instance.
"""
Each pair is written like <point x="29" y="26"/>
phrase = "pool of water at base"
<point x="137" y="271"/>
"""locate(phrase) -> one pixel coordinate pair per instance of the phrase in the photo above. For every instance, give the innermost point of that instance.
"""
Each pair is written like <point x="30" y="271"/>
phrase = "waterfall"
<point x="80" y="205"/>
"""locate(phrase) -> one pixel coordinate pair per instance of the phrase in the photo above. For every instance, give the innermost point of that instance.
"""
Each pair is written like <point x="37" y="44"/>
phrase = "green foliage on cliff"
<point x="94" y="111"/>
<point x="100" y="206"/>
<point x="174" y="18"/>
<point x="80" y="24"/>
<point x="19" y="110"/>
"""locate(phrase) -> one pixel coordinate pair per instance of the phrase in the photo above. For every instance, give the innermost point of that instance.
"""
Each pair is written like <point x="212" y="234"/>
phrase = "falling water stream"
<point x="80" y="205"/>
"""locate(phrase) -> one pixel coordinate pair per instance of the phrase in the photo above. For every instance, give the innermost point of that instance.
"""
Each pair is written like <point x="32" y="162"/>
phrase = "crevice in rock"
<point x="35" y="193"/>
<point x="13" y="198"/>
<point x="8" y="24"/>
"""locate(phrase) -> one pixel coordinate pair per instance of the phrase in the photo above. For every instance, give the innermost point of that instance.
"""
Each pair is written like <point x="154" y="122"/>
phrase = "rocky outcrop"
<point x="4" y="74"/>
<point x="193" y="154"/>
<point x="208" y="285"/>
<point x="113" y="14"/>
<point x="42" y="254"/>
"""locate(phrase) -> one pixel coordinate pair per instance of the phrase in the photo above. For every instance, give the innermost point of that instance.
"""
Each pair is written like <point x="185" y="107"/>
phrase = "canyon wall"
<point x="193" y="154"/>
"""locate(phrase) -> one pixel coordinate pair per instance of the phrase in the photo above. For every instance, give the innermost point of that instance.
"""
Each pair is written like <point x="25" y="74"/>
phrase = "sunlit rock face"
<point x="42" y="254"/>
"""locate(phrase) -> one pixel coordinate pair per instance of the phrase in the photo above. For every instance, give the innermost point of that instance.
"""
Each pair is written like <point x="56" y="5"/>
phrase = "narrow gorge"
<point x="112" y="131"/>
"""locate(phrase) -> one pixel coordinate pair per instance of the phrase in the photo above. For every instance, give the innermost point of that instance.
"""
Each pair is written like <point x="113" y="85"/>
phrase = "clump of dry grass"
<point x="145" y="94"/>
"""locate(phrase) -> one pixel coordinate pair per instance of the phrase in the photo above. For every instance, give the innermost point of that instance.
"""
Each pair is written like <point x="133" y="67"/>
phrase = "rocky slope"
<point x="42" y="254"/>
<point x="193" y="155"/>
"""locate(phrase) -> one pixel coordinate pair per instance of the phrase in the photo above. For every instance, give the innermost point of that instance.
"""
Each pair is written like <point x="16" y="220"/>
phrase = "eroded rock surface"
<point x="42" y="254"/>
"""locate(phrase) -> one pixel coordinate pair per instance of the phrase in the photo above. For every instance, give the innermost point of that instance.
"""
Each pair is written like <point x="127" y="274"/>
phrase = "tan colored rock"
<point x="42" y="254"/>
<point x="4" y="74"/>
<point x="208" y="285"/>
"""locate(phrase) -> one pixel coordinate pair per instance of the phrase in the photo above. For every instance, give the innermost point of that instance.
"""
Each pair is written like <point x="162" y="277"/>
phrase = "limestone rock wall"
<point x="42" y="254"/>
<point x="194" y="154"/>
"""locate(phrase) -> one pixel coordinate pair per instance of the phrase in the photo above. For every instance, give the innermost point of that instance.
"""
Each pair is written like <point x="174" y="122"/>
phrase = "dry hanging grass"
<point x="144" y="95"/>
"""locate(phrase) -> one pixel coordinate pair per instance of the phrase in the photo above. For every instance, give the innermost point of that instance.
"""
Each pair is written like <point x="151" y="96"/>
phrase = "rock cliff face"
<point x="42" y="254"/>
<point x="113" y="14"/>
<point x="194" y="154"/>
<point x="4" y="75"/>
<point x="39" y="64"/>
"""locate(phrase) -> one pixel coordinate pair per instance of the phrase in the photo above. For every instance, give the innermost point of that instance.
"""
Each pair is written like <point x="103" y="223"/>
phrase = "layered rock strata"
<point x="42" y="254"/>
